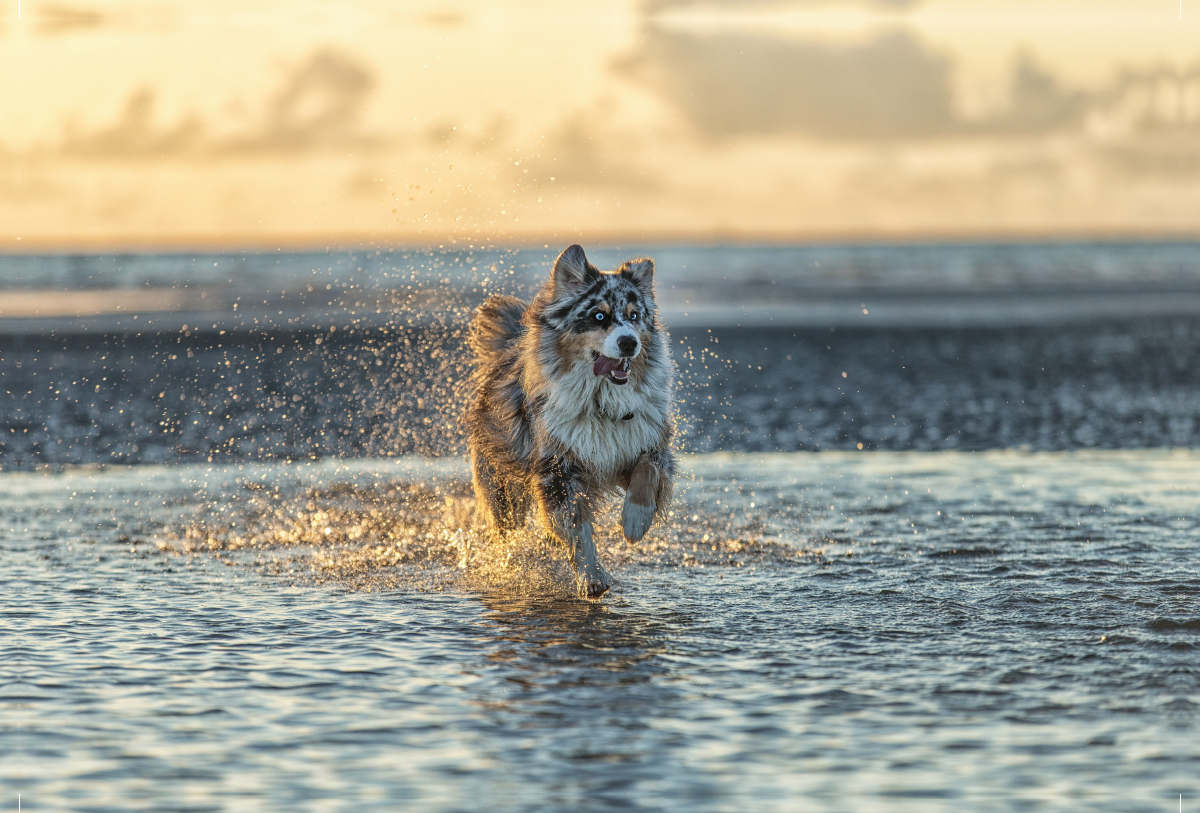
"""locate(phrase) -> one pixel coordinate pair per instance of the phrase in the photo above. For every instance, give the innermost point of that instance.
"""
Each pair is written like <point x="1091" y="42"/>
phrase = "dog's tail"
<point x="495" y="326"/>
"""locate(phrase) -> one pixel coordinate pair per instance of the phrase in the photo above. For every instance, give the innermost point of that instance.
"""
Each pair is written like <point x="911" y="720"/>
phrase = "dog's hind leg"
<point x="505" y="501"/>
<point x="562" y="495"/>
<point x="648" y="494"/>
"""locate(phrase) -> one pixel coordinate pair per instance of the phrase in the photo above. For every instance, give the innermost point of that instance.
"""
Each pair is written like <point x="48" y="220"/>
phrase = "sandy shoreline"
<point x="160" y="398"/>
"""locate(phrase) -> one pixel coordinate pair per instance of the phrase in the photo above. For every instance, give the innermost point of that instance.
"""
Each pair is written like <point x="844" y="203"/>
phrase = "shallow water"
<point x="830" y="631"/>
<point x="704" y="271"/>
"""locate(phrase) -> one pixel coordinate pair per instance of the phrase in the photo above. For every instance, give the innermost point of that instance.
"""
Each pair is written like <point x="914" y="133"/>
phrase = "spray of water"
<point x="414" y="530"/>
<point x="361" y="356"/>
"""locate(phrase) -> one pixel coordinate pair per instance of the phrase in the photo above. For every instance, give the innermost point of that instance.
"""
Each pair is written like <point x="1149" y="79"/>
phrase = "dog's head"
<point x="606" y="317"/>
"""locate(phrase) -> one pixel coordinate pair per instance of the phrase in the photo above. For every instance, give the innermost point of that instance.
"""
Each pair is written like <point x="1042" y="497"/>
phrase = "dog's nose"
<point x="627" y="345"/>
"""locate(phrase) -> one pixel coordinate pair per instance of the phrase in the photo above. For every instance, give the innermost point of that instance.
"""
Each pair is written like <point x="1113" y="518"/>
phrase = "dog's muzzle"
<point x="619" y="348"/>
<point x="617" y="370"/>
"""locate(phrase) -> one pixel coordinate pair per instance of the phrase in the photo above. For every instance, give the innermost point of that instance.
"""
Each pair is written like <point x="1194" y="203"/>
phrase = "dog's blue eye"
<point x="633" y="316"/>
<point x="599" y="316"/>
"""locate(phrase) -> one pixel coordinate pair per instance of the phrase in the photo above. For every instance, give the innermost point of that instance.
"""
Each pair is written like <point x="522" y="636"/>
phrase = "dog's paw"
<point x="594" y="583"/>
<point x="636" y="520"/>
<point x="594" y="589"/>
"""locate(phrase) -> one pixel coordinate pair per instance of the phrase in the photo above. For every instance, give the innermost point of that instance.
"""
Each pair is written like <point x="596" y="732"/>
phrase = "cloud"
<point x="445" y="18"/>
<point x="894" y="88"/>
<point x="54" y="18"/>
<point x="582" y="153"/>
<point x="317" y="107"/>
<point x="1148" y="122"/>
<point x="737" y="84"/>
<point x="1038" y="103"/>
<point x="135" y="134"/>
<point x="650" y="7"/>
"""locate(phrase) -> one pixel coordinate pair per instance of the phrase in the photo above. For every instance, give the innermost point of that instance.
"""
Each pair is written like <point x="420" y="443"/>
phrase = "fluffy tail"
<point x="495" y="326"/>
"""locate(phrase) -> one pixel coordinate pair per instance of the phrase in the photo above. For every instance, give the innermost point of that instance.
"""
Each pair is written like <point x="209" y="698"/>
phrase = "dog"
<point x="572" y="400"/>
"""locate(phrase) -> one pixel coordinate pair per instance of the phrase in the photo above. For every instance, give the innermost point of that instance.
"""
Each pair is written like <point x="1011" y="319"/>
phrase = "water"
<point x="857" y="286"/>
<point x="937" y="556"/>
<point x="779" y="269"/>
<point x="813" y="631"/>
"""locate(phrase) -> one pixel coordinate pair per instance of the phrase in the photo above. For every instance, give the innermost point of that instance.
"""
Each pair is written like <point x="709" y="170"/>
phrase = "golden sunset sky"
<point x="258" y="124"/>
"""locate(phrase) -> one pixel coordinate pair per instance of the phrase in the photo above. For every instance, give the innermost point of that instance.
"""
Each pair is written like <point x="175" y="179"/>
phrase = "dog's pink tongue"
<point x="604" y="365"/>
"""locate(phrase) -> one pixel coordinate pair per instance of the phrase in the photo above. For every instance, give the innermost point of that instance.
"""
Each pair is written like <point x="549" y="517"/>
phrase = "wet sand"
<point x="299" y="395"/>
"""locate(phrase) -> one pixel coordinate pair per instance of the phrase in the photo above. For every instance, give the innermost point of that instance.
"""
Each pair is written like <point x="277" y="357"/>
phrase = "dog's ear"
<point x="640" y="271"/>
<point x="572" y="268"/>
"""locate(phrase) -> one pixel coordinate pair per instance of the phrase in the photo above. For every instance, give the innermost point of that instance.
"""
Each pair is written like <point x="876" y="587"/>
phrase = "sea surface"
<point x="812" y="631"/>
<point x="934" y="547"/>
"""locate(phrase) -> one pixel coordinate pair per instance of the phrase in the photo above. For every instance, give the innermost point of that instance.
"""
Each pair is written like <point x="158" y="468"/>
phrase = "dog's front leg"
<point x="648" y="493"/>
<point x="591" y="579"/>
<point x="562" y="492"/>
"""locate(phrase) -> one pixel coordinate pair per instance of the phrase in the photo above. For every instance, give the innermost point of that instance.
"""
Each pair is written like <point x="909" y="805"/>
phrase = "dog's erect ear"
<point x="640" y="271"/>
<point x="572" y="267"/>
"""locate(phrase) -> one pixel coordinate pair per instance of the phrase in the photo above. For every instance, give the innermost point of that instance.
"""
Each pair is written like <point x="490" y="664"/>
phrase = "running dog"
<point x="571" y="400"/>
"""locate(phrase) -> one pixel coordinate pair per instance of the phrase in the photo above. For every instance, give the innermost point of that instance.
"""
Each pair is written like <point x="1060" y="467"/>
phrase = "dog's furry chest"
<point x="584" y="414"/>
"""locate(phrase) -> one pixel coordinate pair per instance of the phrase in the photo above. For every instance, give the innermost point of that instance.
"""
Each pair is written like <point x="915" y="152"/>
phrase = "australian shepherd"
<point x="572" y="400"/>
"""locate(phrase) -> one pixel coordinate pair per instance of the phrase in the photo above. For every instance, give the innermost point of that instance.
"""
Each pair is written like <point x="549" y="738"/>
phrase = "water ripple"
<point x="911" y="631"/>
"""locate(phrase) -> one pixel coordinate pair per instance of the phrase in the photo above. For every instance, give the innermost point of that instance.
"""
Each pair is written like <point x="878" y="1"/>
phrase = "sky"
<point x="170" y="124"/>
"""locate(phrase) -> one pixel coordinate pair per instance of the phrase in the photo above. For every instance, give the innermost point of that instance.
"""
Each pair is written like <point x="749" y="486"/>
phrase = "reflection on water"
<point x="546" y="642"/>
<point x="875" y="631"/>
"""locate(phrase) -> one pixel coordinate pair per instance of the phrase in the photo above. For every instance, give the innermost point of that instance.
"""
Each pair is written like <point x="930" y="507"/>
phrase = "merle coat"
<point x="572" y="402"/>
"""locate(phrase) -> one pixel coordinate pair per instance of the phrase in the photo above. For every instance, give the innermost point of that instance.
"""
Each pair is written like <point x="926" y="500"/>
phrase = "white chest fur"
<point x="584" y="413"/>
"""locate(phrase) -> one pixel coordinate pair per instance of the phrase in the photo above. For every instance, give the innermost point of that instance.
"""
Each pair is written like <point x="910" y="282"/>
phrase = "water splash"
<point x="376" y="528"/>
